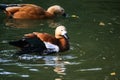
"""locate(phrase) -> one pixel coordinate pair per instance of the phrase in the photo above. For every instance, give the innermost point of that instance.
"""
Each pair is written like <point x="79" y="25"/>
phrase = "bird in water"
<point x="31" y="11"/>
<point x="43" y="43"/>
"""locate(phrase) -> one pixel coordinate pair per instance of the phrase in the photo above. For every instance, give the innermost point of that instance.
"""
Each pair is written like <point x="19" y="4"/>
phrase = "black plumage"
<point x="29" y="45"/>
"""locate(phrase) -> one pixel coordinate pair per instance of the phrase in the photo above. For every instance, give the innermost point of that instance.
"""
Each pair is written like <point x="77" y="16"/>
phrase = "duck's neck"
<point x="49" y="15"/>
<point x="50" y="10"/>
<point x="63" y="44"/>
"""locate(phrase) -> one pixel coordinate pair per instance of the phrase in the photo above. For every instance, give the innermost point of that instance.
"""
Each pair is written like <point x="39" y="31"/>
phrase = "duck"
<point x="31" y="11"/>
<point x="43" y="43"/>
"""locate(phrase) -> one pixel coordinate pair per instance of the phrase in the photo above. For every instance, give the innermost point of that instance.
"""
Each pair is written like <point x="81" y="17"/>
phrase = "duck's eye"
<point x="62" y="10"/>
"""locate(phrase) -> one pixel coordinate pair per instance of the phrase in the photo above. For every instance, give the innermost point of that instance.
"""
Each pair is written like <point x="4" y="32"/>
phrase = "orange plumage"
<point x="31" y="11"/>
<point x="60" y="39"/>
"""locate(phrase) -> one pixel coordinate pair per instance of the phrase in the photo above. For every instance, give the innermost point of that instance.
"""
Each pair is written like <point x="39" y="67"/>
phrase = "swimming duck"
<point x="43" y="43"/>
<point x="31" y="11"/>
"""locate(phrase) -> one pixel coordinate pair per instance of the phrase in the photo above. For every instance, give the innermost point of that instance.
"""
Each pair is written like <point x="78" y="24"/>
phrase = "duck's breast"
<point x="63" y="44"/>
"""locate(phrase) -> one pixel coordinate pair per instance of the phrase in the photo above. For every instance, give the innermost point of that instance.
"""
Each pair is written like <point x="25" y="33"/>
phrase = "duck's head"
<point x="56" y="10"/>
<point x="61" y="32"/>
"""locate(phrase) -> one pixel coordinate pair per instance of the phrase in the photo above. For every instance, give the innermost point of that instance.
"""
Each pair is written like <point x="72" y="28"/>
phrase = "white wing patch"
<point x="51" y="47"/>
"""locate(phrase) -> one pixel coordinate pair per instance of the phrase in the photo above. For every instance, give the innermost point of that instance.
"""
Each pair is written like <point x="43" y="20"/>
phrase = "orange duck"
<point x="43" y="43"/>
<point x="31" y="11"/>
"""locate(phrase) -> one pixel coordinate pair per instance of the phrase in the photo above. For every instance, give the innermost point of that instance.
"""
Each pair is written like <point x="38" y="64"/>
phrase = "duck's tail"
<point x="29" y="45"/>
<point x="4" y="6"/>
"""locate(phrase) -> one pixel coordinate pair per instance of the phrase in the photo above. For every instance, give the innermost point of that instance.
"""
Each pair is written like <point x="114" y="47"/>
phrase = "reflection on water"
<point x="30" y="62"/>
<point x="18" y="23"/>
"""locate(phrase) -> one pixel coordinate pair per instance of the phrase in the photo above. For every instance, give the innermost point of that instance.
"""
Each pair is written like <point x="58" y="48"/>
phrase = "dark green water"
<point x="94" y="30"/>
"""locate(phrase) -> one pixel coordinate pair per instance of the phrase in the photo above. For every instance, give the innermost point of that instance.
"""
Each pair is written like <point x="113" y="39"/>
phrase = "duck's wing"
<point x="49" y="40"/>
<point x="45" y="37"/>
<point x="51" y="48"/>
<point x="29" y="45"/>
<point x="22" y="10"/>
<point x="10" y="9"/>
<point x="4" y="6"/>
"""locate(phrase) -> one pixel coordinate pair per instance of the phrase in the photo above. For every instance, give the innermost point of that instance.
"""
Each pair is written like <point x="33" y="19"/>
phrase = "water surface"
<point x="94" y="31"/>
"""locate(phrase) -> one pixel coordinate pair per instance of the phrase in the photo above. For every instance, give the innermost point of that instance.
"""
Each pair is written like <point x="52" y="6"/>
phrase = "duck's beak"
<point x="66" y="36"/>
<point x="64" y="33"/>
<point x="64" y="14"/>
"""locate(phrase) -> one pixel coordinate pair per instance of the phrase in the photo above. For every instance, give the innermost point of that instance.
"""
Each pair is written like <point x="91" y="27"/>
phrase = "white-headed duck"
<point x="31" y="11"/>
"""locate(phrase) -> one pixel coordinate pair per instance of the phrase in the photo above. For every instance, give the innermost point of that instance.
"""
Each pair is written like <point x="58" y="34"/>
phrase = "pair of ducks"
<point x="38" y="42"/>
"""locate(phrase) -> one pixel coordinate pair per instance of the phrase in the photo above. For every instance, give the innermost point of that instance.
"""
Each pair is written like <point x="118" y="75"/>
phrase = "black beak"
<point x="66" y="36"/>
<point x="64" y="14"/>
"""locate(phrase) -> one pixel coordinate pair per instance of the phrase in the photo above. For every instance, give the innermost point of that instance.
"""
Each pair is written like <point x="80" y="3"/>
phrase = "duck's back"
<point x="30" y="12"/>
<point x="45" y="37"/>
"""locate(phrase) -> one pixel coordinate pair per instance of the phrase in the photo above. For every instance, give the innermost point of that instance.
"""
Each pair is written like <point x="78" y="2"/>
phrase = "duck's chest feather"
<point x="63" y="44"/>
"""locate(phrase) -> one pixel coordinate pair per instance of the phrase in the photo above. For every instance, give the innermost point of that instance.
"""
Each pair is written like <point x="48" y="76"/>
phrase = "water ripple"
<point x="24" y="75"/>
<point x="7" y="73"/>
<point x="90" y="69"/>
<point x="34" y="70"/>
<point x="4" y="61"/>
